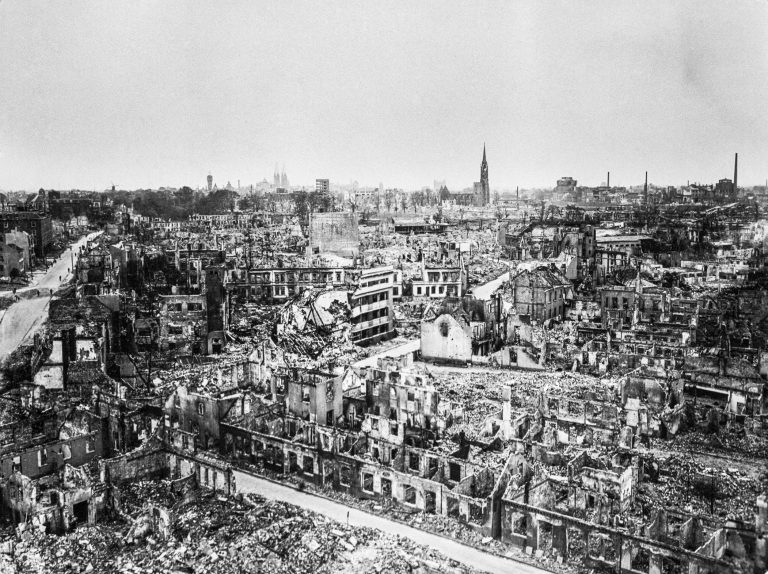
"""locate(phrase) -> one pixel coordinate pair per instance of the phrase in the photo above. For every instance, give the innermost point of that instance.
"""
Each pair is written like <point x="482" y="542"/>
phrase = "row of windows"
<point x="550" y="312"/>
<point x="615" y="302"/>
<point x="179" y="307"/>
<point x="554" y="295"/>
<point x="300" y="276"/>
<point x="623" y="245"/>
<point x="313" y="278"/>
<point x="190" y="330"/>
<point x="375" y="298"/>
<point x="372" y="332"/>
<point x="200" y="405"/>
<point x="449" y="290"/>
<point x="393" y="426"/>
<point x="375" y="282"/>
<point x="623" y="303"/>
<point x="375" y="314"/>
<point x="553" y="313"/>
<point x="66" y="453"/>
<point x="434" y="276"/>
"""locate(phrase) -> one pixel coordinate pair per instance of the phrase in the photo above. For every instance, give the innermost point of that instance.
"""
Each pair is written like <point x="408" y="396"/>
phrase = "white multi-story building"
<point x="372" y="311"/>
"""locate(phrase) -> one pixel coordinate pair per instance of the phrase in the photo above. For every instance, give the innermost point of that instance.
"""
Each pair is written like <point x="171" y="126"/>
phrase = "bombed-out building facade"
<point x="573" y="380"/>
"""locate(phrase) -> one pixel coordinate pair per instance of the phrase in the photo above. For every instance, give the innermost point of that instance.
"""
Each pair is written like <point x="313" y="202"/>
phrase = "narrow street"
<point x="340" y="512"/>
<point x="26" y="315"/>
<point x="484" y="291"/>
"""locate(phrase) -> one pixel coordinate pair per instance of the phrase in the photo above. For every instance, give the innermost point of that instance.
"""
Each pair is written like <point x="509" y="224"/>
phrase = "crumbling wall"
<point x="47" y="458"/>
<point x="209" y="472"/>
<point x="445" y="339"/>
<point x="334" y="232"/>
<point x="141" y="464"/>
<point x="601" y="546"/>
<point x="195" y="413"/>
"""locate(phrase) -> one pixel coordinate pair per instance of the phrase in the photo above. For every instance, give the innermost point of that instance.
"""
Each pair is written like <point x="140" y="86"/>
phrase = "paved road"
<point x="485" y="291"/>
<point x="339" y="512"/>
<point x="26" y="315"/>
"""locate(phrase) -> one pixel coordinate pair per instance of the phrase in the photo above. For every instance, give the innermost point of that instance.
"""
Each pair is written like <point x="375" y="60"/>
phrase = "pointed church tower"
<point x="484" y="180"/>
<point x="284" y="179"/>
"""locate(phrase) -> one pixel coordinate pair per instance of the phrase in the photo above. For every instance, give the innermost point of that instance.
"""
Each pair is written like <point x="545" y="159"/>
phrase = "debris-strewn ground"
<point x="215" y="534"/>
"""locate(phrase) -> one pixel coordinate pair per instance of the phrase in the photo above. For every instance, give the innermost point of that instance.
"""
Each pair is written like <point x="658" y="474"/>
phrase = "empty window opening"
<point x="453" y="507"/>
<point x="367" y="482"/>
<point x="430" y="501"/>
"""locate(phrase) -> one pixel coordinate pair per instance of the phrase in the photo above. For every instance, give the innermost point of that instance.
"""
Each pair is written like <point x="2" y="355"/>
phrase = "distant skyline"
<point x="159" y="93"/>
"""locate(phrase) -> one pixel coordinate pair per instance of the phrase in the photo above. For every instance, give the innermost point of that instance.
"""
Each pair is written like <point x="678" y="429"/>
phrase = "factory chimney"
<point x="645" y="189"/>
<point x="608" y="183"/>
<point x="735" y="174"/>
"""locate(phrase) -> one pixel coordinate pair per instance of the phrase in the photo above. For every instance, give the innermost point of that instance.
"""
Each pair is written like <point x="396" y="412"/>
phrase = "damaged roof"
<point x="67" y="313"/>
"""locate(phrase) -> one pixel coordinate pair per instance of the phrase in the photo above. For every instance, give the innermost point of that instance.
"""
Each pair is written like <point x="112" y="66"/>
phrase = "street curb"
<point x="401" y="522"/>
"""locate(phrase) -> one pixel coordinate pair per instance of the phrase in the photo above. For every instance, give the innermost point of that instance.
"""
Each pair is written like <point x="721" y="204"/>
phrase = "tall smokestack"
<point x="735" y="173"/>
<point x="609" y="179"/>
<point x="645" y="189"/>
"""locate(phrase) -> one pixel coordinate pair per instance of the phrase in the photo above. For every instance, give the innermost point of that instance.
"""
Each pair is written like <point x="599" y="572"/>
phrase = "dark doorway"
<point x="80" y="510"/>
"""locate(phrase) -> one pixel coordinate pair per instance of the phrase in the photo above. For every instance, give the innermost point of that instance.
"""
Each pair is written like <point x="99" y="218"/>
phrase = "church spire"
<point x="484" y="187"/>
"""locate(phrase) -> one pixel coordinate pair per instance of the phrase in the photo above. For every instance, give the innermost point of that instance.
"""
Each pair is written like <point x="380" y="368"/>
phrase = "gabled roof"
<point x="549" y="275"/>
<point x="464" y="310"/>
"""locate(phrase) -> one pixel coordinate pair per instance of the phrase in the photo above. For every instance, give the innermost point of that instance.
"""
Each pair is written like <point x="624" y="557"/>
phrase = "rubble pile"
<point x="329" y="354"/>
<point x="484" y="268"/>
<point x="734" y="440"/>
<point x="217" y="534"/>
<point x="455" y="529"/>
<point x="253" y="320"/>
<point x="425" y="521"/>
<point x="481" y="390"/>
<point x="136" y="495"/>
<point x="721" y="490"/>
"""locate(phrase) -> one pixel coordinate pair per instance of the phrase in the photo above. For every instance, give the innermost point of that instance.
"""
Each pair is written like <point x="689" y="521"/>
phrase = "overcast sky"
<point x="154" y="93"/>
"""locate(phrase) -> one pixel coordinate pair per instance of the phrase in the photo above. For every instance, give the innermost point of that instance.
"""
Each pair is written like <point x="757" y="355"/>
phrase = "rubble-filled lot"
<point x="480" y="389"/>
<point x="705" y="485"/>
<point x="216" y="534"/>
<point x="712" y="474"/>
